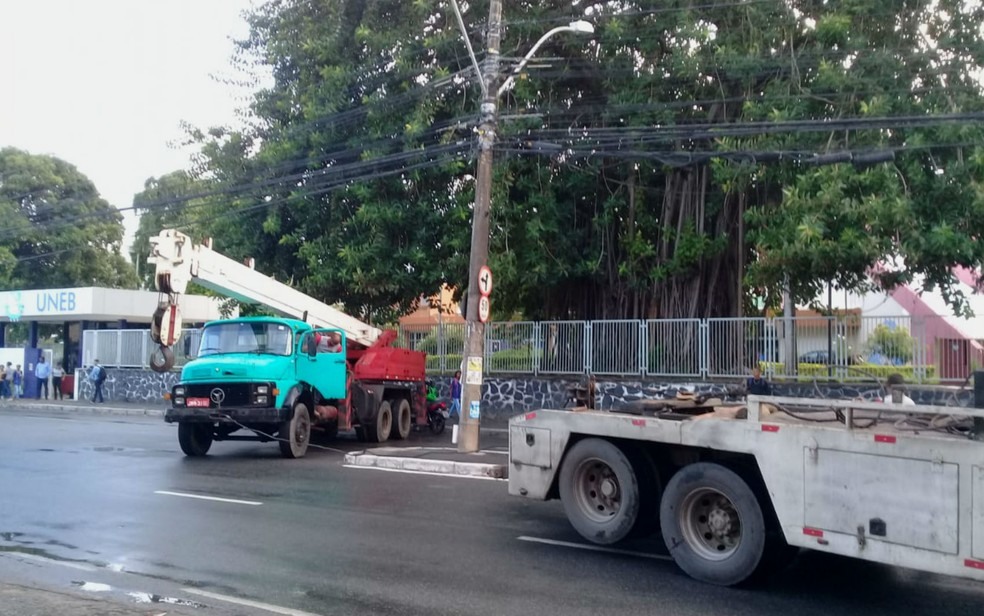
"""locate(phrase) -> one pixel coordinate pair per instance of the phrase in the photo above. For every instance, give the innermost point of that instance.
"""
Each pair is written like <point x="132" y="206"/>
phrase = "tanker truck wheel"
<point x="194" y="438"/>
<point x="295" y="433"/>
<point x="402" y="419"/>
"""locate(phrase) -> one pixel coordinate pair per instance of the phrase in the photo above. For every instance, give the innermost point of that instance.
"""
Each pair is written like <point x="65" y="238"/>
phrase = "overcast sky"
<point x="105" y="84"/>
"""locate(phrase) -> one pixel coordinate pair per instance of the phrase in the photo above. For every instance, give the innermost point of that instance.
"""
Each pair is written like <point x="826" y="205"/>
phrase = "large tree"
<point x="56" y="230"/>
<point x="663" y="169"/>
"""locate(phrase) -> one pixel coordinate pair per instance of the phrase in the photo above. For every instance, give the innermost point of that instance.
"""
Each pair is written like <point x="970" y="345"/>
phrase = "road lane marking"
<point x="53" y="561"/>
<point x="594" y="548"/>
<point x="276" y="609"/>
<point x="208" y="498"/>
<point x="408" y="472"/>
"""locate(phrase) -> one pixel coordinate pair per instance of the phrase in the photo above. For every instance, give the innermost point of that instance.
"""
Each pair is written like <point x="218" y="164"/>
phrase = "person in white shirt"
<point x="895" y="386"/>
<point x="57" y="372"/>
<point x="42" y="371"/>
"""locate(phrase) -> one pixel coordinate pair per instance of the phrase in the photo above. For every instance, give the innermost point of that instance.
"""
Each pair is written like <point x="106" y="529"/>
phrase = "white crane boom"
<point x="179" y="260"/>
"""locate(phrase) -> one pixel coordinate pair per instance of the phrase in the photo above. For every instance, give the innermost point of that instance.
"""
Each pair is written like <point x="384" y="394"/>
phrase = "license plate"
<point x="198" y="402"/>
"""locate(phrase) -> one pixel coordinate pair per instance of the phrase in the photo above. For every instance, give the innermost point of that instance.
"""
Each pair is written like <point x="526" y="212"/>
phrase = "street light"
<point x="474" y="355"/>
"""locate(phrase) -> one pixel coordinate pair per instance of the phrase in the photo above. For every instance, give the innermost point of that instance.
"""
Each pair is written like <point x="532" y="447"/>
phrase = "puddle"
<point x="93" y="586"/>
<point x="146" y="597"/>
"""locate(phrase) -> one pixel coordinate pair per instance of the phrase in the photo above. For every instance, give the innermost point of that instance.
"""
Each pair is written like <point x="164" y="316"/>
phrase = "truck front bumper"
<point x="225" y="415"/>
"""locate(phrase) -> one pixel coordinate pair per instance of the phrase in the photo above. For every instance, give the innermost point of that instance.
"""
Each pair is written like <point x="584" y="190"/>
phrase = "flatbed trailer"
<point x="734" y="495"/>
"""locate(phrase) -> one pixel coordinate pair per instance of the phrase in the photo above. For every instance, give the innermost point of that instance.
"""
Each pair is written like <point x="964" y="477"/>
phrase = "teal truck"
<point x="277" y="378"/>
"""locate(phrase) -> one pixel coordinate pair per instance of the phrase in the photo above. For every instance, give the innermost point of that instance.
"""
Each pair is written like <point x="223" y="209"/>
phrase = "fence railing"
<point x="843" y="348"/>
<point x="131" y="348"/>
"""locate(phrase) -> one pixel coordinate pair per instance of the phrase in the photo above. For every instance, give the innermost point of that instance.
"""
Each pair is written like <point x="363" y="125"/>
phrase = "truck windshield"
<point x="271" y="338"/>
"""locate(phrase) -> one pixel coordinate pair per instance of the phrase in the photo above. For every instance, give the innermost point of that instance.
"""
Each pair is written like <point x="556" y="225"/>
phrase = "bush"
<point x="893" y="343"/>
<point x="454" y="338"/>
<point x="858" y="372"/>
<point x="514" y="360"/>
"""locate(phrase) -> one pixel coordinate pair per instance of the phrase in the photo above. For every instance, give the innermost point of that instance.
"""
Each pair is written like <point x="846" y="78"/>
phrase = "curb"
<point x="91" y="410"/>
<point x="443" y="467"/>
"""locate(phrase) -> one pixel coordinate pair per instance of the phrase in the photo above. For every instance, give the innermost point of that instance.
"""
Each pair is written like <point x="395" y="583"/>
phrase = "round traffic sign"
<point x="484" y="307"/>
<point x="485" y="280"/>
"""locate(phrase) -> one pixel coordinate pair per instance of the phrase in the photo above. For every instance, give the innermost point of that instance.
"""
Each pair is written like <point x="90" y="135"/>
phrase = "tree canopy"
<point x="684" y="158"/>
<point x="56" y="230"/>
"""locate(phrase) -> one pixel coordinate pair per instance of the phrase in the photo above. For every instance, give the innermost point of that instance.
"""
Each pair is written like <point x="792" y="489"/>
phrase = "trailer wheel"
<point x="713" y="524"/>
<point x="600" y="491"/>
<point x="295" y="433"/>
<point x="360" y="434"/>
<point x="194" y="438"/>
<point x="379" y="430"/>
<point x="402" y="419"/>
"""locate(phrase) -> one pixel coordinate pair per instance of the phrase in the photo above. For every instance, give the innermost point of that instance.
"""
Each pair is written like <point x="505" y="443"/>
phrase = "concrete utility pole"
<point x="471" y="391"/>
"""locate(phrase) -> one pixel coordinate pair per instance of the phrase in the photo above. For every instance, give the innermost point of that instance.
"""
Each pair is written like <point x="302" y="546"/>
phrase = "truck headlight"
<point x="179" y="401"/>
<point x="263" y="389"/>
<point x="261" y="399"/>
<point x="179" y="391"/>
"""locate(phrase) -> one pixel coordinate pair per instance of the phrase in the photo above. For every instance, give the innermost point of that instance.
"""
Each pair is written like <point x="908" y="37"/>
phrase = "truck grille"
<point x="233" y="394"/>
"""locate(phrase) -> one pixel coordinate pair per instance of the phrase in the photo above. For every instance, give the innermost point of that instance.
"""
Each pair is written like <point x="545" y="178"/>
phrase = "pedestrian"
<point x="455" y="395"/>
<point x="4" y="392"/>
<point x="757" y="385"/>
<point x="8" y="381"/>
<point x="57" y="372"/>
<point x="896" y="390"/>
<point x="42" y="372"/>
<point x="97" y="374"/>
<point x="18" y="382"/>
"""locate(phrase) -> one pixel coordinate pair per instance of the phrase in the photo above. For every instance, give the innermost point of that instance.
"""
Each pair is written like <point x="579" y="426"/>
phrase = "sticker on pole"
<point x="473" y="371"/>
<point x="485" y="281"/>
<point x="475" y="409"/>
<point x="484" y="308"/>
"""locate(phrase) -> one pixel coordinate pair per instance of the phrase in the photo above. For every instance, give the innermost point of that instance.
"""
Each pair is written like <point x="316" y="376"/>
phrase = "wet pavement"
<point x="111" y="502"/>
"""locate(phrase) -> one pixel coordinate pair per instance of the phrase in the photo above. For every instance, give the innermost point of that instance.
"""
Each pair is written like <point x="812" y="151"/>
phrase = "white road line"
<point x="208" y="498"/>
<point x="400" y="470"/>
<point x="595" y="548"/>
<point x="276" y="609"/>
<point x="53" y="561"/>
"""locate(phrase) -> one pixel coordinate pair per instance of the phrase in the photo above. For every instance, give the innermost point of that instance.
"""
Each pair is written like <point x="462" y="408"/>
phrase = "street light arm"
<point x="471" y="52"/>
<point x="543" y="39"/>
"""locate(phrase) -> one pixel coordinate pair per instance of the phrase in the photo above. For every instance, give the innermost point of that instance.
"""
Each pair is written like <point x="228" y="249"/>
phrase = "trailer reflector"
<point x="770" y="428"/>
<point x="884" y="438"/>
<point x="812" y="532"/>
<point x="639" y="422"/>
<point x="974" y="564"/>
<point x="531" y="415"/>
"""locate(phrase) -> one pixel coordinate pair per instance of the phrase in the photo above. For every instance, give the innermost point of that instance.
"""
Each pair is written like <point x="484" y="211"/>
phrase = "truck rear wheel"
<point x="600" y="491"/>
<point x="402" y="419"/>
<point x="295" y="433"/>
<point x="378" y="431"/>
<point x="713" y="524"/>
<point x="194" y="438"/>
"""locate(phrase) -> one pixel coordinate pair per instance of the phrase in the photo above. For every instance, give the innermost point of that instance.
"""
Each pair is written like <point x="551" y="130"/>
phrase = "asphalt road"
<point x="327" y="539"/>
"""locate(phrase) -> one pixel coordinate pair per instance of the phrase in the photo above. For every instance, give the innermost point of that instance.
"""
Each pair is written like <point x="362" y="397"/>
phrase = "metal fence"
<point x="844" y="348"/>
<point x="131" y="348"/>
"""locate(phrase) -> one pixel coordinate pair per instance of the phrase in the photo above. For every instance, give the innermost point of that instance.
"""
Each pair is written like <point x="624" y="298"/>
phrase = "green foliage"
<point x="893" y="343"/>
<point x="454" y="338"/>
<point x="621" y="233"/>
<point x="56" y="230"/>
<point x="859" y="372"/>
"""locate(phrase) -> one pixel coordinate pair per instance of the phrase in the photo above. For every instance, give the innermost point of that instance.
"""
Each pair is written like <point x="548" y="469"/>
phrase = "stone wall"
<point x="504" y="396"/>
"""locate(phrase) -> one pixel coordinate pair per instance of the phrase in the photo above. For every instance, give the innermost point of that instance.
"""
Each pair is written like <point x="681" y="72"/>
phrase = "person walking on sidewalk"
<point x="8" y="381"/>
<point x="57" y="372"/>
<point x="455" y="395"/>
<point x="43" y="372"/>
<point x="4" y="388"/>
<point x="97" y="374"/>
<point x="18" y="382"/>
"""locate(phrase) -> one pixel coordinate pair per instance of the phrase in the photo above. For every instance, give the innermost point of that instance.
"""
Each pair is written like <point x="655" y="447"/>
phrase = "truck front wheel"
<point x="600" y="491"/>
<point x="295" y="433"/>
<point x="194" y="438"/>
<point x="713" y="524"/>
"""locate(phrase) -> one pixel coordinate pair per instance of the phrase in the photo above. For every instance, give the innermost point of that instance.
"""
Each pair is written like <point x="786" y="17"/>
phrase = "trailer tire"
<point x="360" y="434"/>
<point x="600" y="491"/>
<point x="379" y="430"/>
<point x="713" y="525"/>
<point x="402" y="419"/>
<point x="295" y="432"/>
<point x="195" y="438"/>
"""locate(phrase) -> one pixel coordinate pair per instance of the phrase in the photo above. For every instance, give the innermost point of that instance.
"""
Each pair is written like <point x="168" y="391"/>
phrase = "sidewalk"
<point x="20" y="600"/>
<point x="112" y="407"/>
